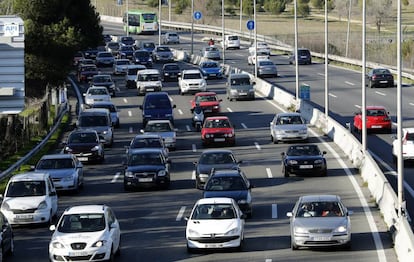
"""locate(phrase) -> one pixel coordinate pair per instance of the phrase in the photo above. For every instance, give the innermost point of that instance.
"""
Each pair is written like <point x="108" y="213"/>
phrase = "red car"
<point x="208" y="101"/>
<point x="86" y="73"/>
<point x="218" y="129"/>
<point x="377" y="119"/>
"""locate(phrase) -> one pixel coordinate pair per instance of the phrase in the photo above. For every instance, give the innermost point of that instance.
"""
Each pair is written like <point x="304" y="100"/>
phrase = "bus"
<point x="140" y="22"/>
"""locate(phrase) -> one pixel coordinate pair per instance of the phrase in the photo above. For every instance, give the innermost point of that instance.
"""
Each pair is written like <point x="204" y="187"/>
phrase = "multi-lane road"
<point x="152" y="222"/>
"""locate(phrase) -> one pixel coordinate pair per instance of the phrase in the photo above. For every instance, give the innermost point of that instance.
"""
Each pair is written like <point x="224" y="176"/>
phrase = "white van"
<point x="148" y="80"/>
<point x="231" y="42"/>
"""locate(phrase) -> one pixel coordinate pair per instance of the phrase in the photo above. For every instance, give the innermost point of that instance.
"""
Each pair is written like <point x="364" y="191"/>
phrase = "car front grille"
<point x="215" y="239"/>
<point x="78" y="246"/>
<point x="145" y="175"/>
<point x="26" y="211"/>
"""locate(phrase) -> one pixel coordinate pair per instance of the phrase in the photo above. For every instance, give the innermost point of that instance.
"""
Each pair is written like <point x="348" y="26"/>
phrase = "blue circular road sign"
<point x="250" y="24"/>
<point x="197" y="15"/>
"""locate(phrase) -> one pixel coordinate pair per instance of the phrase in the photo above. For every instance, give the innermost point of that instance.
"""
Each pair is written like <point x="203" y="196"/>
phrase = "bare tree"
<point x="381" y="11"/>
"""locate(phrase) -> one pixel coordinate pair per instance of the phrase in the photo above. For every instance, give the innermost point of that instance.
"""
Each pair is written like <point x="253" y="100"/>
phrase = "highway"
<point x="152" y="222"/>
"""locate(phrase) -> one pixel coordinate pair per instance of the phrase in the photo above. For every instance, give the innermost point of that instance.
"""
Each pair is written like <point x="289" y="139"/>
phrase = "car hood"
<point x="213" y="130"/>
<point x="319" y="222"/>
<point x="193" y="81"/>
<point x="145" y="168"/>
<point x="211" y="70"/>
<point x="82" y="146"/>
<point x="57" y="173"/>
<point x="69" y="238"/>
<point x="242" y="87"/>
<point x="101" y="97"/>
<point x="236" y="195"/>
<point x="107" y="84"/>
<point x="161" y="134"/>
<point x="206" y="169"/>
<point x="98" y="129"/>
<point x="29" y="202"/>
<point x="210" y="226"/>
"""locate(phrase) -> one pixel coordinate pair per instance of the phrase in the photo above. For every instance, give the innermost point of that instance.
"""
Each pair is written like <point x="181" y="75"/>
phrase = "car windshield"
<point x="146" y="142"/>
<point x="102" y="79"/>
<point x="216" y="158"/>
<point x="144" y="159"/>
<point x="376" y="112"/>
<point x="159" y="102"/>
<point x="206" y="98"/>
<point x="88" y="68"/>
<point x="110" y="107"/>
<point x="214" y="211"/>
<point x="158" y="127"/>
<point x="148" y="45"/>
<point x="289" y="120"/>
<point x="75" y="223"/>
<point x="240" y="81"/>
<point x="320" y="209"/>
<point x="266" y="63"/>
<point x="226" y="183"/>
<point x="381" y="71"/>
<point x="306" y="150"/>
<point x="163" y="49"/>
<point x="105" y="54"/>
<point x="211" y="49"/>
<point x="113" y="45"/>
<point x="87" y="121"/>
<point x="98" y="91"/>
<point x="192" y="76"/>
<point x="55" y="164"/>
<point x="171" y="67"/>
<point x="26" y="188"/>
<point x="209" y="65"/>
<point x="127" y="48"/>
<point x="217" y="123"/>
<point x="122" y="62"/>
<point x="83" y="138"/>
<point x="142" y="54"/>
<point x="148" y="77"/>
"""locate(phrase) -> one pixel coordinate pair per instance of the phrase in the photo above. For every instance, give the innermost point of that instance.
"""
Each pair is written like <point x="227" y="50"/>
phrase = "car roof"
<point x="29" y="176"/>
<point x="317" y="198"/>
<point x="210" y="151"/>
<point x="216" y="117"/>
<point x="143" y="136"/>
<point x="149" y="71"/>
<point x="85" y="209"/>
<point x="288" y="114"/>
<point x="57" y="156"/>
<point x="100" y="75"/>
<point x="83" y="131"/>
<point x="242" y="75"/>
<point x="156" y="94"/>
<point x="190" y="71"/>
<point x="226" y="173"/>
<point x="97" y="87"/>
<point x="102" y="103"/>
<point x="215" y="200"/>
<point x="145" y="150"/>
<point x="159" y="121"/>
<point x="375" y="107"/>
<point x="210" y="93"/>
<point x="94" y="111"/>
<point x="136" y="66"/>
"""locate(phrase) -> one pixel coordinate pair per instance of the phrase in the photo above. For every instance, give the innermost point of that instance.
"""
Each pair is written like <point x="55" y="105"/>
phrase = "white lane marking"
<point x="194" y="147"/>
<point x="257" y="146"/>
<point x="115" y="178"/>
<point x="125" y="100"/>
<point x="193" y="175"/>
<point x="188" y="128"/>
<point x="371" y="222"/>
<point x="180" y="214"/>
<point x="229" y="109"/>
<point x="411" y="104"/>
<point x="321" y="74"/>
<point x="358" y="106"/>
<point x="129" y="113"/>
<point x="380" y="93"/>
<point x="349" y="83"/>
<point x="131" y="130"/>
<point x="268" y="260"/>
<point x="269" y="172"/>
<point x="274" y="210"/>
<point x="332" y="95"/>
<point x="243" y="125"/>
<point x="180" y="112"/>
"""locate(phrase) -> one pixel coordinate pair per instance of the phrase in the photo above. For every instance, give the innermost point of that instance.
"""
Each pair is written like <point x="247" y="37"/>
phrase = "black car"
<point x="6" y="237"/>
<point x="126" y="40"/>
<point x="146" y="168"/>
<point x="170" y="71"/>
<point x="104" y="80"/>
<point x="86" y="145"/>
<point x="304" y="57"/>
<point x="231" y="183"/>
<point x="380" y="77"/>
<point x="304" y="159"/>
<point x="142" y="57"/>
<point x="213" y="158"/>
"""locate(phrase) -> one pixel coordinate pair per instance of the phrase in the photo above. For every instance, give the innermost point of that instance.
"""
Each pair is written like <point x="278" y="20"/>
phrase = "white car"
<point x="30" y="198"/>
<point x="407" y="145"/>
<point x="90" y="232"/>
<point x="289" y="126"/>
<point x="251" y="59"/>
<point x="262" y="48"/>
<point x="120" y="66"/>
<point x="191" y="81"/>
<point x="96" y="94"/>
<point x="214" y="223"/>
<point x="148" y="80"/>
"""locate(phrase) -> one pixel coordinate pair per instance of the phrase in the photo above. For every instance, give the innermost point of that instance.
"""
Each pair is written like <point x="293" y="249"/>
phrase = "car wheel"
<point x="11" y="249"/>
<point x="197" y="184"/>
<point x="293" y="246"/>
<point x="347" y="246"/>
<point x="190" y="250"/>
<point x="285" y="172"/>
<point x="371" y="85"/>
<point x="111" y="256"/>
<point x="394" y="159"/>
<point x="118" y="251"/>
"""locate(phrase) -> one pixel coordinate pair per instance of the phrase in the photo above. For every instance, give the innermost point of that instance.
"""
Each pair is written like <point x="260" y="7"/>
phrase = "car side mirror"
<point x="195" y="163"/>
<point x="324" y="152"/>
<point x="283" y="153"/>
<point x="32" y="168"/>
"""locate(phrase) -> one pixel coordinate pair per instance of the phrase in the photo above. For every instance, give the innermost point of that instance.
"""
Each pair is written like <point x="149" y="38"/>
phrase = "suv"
<point x="240" y="86"/>
<point x="131" y="75"/>
<point x="157" y="105"/>
<point x="90" y="232"/>
<point x="304" y="57"/>
<point x="191" y="81"/>
<point x="30" y="198"/>
<point x="148" y="80"/>
<point x="98" y="119"/>
<point x="85" y="145"/>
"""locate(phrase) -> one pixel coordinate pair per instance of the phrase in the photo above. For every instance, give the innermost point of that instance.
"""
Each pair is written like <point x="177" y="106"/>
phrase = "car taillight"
<point x="374" y="76"/>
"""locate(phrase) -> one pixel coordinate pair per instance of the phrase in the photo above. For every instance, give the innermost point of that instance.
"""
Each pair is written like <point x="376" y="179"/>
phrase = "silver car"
<point x="171" y="37"/>
<point x="211" y="52"/>
<point x="163" y="128"/>
<point x="288" y="127"/>
<point x="266" y="68"/>
<point x="65" y="170"/>
<point x="319" y="221"/>
<point x="162" y="54"/>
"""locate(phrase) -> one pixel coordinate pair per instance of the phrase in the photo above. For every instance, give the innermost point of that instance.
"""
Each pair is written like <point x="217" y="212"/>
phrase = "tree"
<point x="380" y="10"/>
<point x="54" y="31"/>
<point x="275" y="6"/>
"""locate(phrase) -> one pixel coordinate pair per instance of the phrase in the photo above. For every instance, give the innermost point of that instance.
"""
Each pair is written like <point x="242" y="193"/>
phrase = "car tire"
<point x="111" y="256"/>
<point x="293" y="246"/>
<point x="127" y="188"/>
<point x="285" y="172"/>
<point x="190" y="250"/>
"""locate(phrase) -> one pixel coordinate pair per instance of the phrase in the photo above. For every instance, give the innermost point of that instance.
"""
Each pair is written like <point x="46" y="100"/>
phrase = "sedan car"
<point x="6" y="238"/>
<point x="208" y="101"/>
<point x="147" y="141"/>
<point x="85" y="145"/>
<point x="163" y="128"/>
<point x="304" y="160"/>
<point x="104" y="80"/>
<point x="380" y="77"/>
<point x="377" y="119"/>
<point x="211" y="69"/>
<point x="104" y="59"/>
<point x="215" y="223"/>
<point x="407" y="145"/>
<point x="142" y="57"/>
<point x="170" y="71"/>
<point x="210" y="52"/>
<point x="96" y="94"/>
<point x="320" y="221"/>
<point x="171" y="38"/>
<point x="231" y="183"/>
<point x="288" y="127"/>
<point x="218" y="129"/>
<point x="213" y="158"/>
<point x="266" y="68"/>
<point x="113" y="111"/>
<point x="86" y="72"/>
<point x="162" y="54"/>
<point x="120" y="66"/>
<point x="146" y="168"/>
<point x="65" y="170"/>
<point x="87" y="233"/>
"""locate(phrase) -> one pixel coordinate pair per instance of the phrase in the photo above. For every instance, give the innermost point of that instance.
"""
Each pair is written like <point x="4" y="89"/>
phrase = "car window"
<point x="95" y="120"/>
<point x="83" y="138"/>
<point x="158" y="102"/>
<point x="145" y="159"/>
<point x="55" y="164"/>
<point x="308" y="150"/>
<point x="206" y="98"/>
<point x="148" y="77"/>
<point x="320" y="209"/>
<point x="74" y="223"/>
<point x="26" y="188"/>
<point x="226" y="183"/>
<point x="146" y="142"/>
<point x="214" y="211"/>
<point x="289" y="120"/>
<point x="376" y="112"/>
<point x="192" y="76"/>
<point x="158" y="127"/>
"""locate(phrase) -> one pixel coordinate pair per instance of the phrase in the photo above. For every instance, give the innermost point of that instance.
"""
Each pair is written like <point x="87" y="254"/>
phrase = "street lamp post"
<point x="192" y="27"/>
<point x="241" y="14"/>
<point x="222" y="30"/>
<point x="159" y="23"/>
<point x="127" y="18"/>
<point x="255" y="38"/>
<point x="295" y="52"/>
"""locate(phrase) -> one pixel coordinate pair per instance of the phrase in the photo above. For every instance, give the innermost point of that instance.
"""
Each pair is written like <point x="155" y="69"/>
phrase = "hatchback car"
<point x="98" y="119"/>
<point x="87" y="233"/>
<point x="266" y="68"/>
<point x="65" y="170"/>
<point x="407" y="145"/>
<point x="104" y="59"/>
<point x="131" y="75"/>
<point x="218" y="129"/>
<point x="126" y="41"/>
<point x="85" y="145"/>
<point x="171" y="38"/>
<point x="30" y="198"/>
<point x="170" y="71"/>
<point x="112" y="47"/>
<point x="213" y="158"/>
<point x="210" y="52"/>
<point x="104" y="80"/>
<point x="215" y="223"/>
<point x="191" y="81"/>
<point x="162" y="54"/>
<point x="142" y="57"/>
<point x="304" y="160"/>
<point x="6" y="238"/>
<point x="211" y="69"/>
<point x="288" y="127"/>
<point x="377" y="119"/>
<point x="113" y="111"/>
<point x="96" y="94"/>
<point x="320" y="221"/>
<point x="304" y="57"/>
<point x="164" y="129"/>
<point x="380" y="77"/>
<point x="240" y="86"/>
<point x="231" y="183"/>
<point x="208" y="101"/>
<point x="120" y="66"/>
<point x="147" y="141"/>
<point x="146" y="168"/>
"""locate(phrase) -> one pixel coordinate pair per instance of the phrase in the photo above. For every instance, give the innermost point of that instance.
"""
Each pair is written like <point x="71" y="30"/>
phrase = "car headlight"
<point x="292" y="162"/>
<point x="99" y="243"/>
<point x="251" y="90"/>
<point x="129" y="174"/>
<point x="233" y="91"/>
<point x="194" y="233"/>
<point x="68" y="178"/>
<point x="95" y="148"/>
<point x="216" y="107"/>
<point x="318" y="161"/>
<point x="162" y="173"/>
<point x="203" y="175"/>
<point x="229" y="135"/>
<point x="42" y="205"/>
<point x="203" y="84"/>
<point x="5" y="206"/>
<point x="209" y="135"/>
<point x="303" y="131"/>
<point x="57" y="245"/>
<point x="234" y="231"/>
<point x="341" y="229"/>
<point x="300" y="230"/>
<point x="105" y="132"/>
<point x="68" y="149"/>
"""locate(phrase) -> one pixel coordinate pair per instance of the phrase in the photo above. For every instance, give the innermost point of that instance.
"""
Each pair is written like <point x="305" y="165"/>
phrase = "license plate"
<point x="219" y="139"/>
<point x="145" y="179"/>
<point x="383" y="82"/>
<point x="24" y="217"/>
<point x="242" y="94"/>
<point x="213" y="74"/>
<point x="83" y="158"/>
<point x="305" y="166"/>
<point x="78" y="254"/>
<point x="150" y="89"/>
<point x="376" y="126"/>
<point x="214" y="245"/>
<point x="321" y="238"/>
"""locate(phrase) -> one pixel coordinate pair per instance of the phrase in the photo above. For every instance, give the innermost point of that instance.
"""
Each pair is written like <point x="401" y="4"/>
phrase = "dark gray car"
<point x="240" y="86"/>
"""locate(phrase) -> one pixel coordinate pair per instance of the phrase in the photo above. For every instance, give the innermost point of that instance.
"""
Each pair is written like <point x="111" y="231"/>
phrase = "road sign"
<point x="197" y="15"/>
<point x="304" y="92"/>
<point x="11" y="29"/>
<point x="250" y="24"/>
